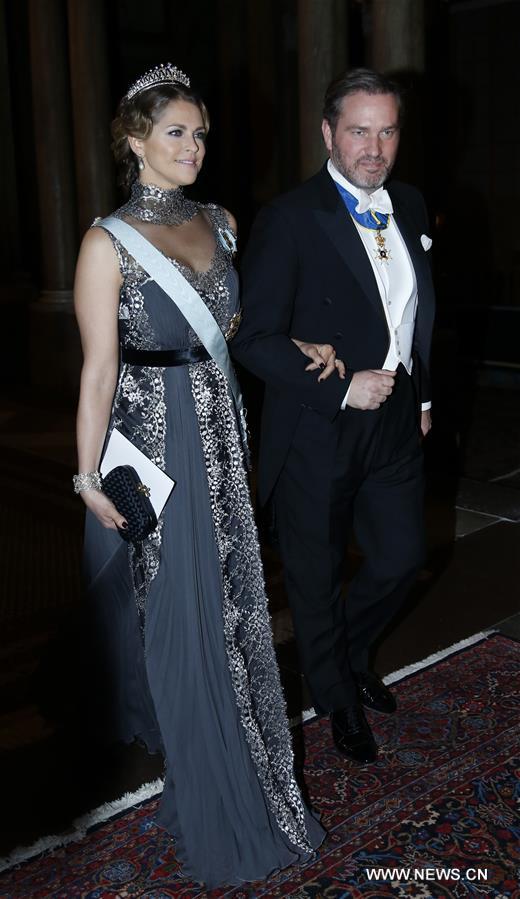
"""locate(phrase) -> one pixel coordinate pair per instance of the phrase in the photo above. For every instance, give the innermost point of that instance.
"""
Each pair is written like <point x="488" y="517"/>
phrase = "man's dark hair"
<point x="357" y="81"/>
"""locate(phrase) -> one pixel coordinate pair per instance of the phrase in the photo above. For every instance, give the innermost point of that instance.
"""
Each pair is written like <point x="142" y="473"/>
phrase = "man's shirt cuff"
<point x="345" y="398"/>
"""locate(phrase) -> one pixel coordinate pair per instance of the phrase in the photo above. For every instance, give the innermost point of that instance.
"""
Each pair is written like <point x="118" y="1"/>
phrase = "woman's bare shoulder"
<point x="97" y="247"/>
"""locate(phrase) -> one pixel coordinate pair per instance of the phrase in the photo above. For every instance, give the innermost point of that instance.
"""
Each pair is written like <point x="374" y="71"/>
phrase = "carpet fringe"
<point x="81" y="825"/>
<point x="304" y="716"/>
<point x="437" y="656"/>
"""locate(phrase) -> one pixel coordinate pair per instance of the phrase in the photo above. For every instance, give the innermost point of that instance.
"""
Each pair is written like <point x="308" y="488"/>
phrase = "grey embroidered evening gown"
<point x="189" y="664"/>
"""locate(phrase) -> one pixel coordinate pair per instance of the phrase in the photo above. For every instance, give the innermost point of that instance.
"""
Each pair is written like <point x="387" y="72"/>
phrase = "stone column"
<point x="55" y="353"/>
<point x="16" y="287"/>
<point x="263" y="101"/>
<point x="9" y="220"/>
<point x="233" y="105"/>
<point x="91" y="111"/>
<point x="397" y="35"/>
<point x="397" y="47"/>
<point x="54" y="152"/>
<point x="322" y="54"/>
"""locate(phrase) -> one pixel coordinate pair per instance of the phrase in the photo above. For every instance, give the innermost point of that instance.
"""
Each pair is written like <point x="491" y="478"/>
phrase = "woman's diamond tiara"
<point x="165" y="74"/>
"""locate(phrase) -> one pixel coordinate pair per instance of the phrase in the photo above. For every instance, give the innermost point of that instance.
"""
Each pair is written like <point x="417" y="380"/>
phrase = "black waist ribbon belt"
<point x="164" y="358"/>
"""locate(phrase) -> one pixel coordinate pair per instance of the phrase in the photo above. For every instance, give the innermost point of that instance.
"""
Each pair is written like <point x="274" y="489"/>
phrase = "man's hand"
<point x="426" y="422"/>
<point x="369" y="389"/>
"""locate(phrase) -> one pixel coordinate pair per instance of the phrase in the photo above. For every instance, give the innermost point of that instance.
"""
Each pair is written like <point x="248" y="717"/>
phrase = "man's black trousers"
<point x="362" y="472"/>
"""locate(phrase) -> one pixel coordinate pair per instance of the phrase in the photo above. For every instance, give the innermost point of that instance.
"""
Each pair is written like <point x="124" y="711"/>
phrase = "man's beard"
<point x="359" y="177"/>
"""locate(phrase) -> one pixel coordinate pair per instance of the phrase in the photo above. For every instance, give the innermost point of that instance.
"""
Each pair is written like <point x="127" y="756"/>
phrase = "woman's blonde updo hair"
<point x="136" y="118"/>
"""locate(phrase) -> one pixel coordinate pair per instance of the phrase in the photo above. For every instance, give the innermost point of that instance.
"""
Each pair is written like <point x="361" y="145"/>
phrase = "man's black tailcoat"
<point x="306" y="274"/>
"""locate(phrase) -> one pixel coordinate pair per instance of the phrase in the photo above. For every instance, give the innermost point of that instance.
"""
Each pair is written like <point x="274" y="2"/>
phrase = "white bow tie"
<point x="379" y="201"/>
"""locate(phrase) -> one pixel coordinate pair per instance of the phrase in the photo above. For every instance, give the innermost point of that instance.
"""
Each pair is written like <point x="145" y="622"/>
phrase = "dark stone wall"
<point x="461" y="143"/>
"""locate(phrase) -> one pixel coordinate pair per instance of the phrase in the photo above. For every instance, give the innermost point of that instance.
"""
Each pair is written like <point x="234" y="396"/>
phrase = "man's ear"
<point x="327" y="134"/>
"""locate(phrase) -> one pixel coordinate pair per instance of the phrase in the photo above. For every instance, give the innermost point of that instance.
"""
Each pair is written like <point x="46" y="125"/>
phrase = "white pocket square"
<point x="426" y="242"/>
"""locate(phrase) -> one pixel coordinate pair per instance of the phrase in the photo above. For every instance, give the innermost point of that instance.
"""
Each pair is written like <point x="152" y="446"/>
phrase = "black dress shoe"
<point x="352" y="735"/>
<point x="373" y="693"/>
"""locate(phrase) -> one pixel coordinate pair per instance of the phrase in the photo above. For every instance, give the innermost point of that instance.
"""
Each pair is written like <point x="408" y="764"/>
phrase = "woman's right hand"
<point x="103" y="508"/>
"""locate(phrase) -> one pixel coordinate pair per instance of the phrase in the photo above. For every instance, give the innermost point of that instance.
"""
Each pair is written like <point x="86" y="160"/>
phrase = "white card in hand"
<point x="120" y="451"/>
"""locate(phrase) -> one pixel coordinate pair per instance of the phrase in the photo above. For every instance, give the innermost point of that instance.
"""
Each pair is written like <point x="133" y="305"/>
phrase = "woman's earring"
<point x="140" y="163"/>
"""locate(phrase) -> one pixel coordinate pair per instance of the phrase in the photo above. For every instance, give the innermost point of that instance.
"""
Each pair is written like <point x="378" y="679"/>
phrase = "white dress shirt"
<point x="395" y="278"/>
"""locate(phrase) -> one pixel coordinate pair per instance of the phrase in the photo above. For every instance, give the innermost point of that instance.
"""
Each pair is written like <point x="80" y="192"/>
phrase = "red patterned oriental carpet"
<point x="434" y="817"/>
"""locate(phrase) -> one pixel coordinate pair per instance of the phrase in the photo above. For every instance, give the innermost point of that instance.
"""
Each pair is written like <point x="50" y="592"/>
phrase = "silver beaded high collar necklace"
<point x="160" y="206"/>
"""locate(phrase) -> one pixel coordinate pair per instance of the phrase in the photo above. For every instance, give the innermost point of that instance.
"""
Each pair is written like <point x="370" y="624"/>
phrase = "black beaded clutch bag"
<point x="123" y="486"/>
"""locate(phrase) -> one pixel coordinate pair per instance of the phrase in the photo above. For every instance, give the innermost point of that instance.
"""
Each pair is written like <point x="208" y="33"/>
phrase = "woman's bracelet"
<point x="87" y="480"/>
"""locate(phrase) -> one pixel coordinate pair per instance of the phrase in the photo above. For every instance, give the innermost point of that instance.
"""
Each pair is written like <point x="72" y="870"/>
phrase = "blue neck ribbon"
<point x="369" y="219"/>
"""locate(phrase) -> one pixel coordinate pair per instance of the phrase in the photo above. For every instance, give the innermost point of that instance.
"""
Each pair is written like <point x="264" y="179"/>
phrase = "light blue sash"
<point x="185" y="297"/>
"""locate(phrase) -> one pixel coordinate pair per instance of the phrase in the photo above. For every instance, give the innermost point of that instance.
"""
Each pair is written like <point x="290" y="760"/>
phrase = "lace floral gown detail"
<point x="188" y="653"/>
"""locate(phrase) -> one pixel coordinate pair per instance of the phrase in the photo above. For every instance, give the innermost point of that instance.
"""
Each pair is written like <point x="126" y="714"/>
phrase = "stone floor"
<point x="469" y="583"/>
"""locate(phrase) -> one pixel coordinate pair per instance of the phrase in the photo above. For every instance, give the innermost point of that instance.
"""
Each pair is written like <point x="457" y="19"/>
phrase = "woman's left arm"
<point x="322" y="355"/>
